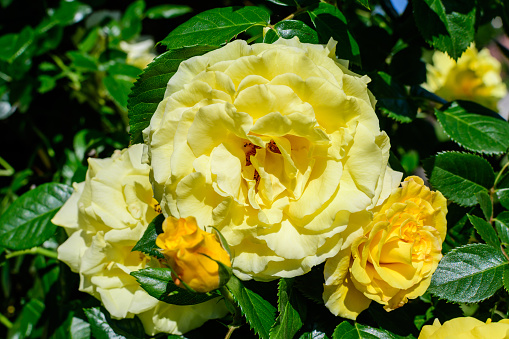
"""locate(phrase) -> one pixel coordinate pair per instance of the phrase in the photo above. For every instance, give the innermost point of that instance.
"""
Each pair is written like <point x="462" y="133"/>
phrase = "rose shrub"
<point x="273" y="144"/>
<point x="191" y="253"/>
<point x="474" y="76"/>
<point x="394" y="260"/>
<point x="466" y="327"/>
<point x="104" y="218"/>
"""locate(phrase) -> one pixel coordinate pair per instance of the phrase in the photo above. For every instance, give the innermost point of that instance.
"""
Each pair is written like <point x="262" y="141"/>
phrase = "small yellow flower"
<point x="192" y="254"/>
<point x="394" y="260"/>
<point x="466" y="327"/>
<point x="475" y="77"/>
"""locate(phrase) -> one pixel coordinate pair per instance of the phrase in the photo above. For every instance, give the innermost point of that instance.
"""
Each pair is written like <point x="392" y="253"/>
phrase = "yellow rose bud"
<point x="466" y="327"/>
<point x="475" y="77"/>
<point x="192" y="254"/>
<point x="105" y="217"/>
<point x="394" y="260"/>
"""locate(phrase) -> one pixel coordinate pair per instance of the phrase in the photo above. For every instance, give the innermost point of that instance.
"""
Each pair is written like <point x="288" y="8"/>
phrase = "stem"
<point x="3" y="319"/>
<point x="253" y="38"/>
<point x="34" y="250"/>
<point x="230" y="331"/>
<point x="8" y="171"/>
<point x="237" y="314"/>
<point x="500" y="173"/>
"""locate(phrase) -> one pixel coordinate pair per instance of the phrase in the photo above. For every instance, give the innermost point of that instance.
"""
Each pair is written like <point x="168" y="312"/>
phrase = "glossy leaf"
<point x="447" y="25"/>
<point x="216" y="26"/>
<point x="459" y="176"/>
<point x="167" y="11"/>
<point x="392" y="98"/>
<point x="287" y="29"/>
<point x="26" y="223"/>
<point x="503" y="197"/>
<point x="103" y="327"/>
<point x="330" y="22"/>
<point x="502" y="226"/>
<point x="345" y="330"/>
<point x="259" y="313"/>
<point x="149" y="89"/>
<point x="469" y="274"/>
<point x="159" y="284"/>
<point x="475" y="132"/>
<point x="484" y="200"/>
<point x="485" y="230"/>
<point x="292" y="312"/>
<point x="147" y="243"/>
<point x="505" y="278"/>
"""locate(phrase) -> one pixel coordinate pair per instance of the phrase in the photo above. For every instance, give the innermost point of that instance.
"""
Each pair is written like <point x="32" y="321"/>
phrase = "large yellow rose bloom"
<point x="475" y="77"/>
<point x="395" y="258"/>
<point x="192" y="254"/>
<point x="466" y="327"/>
<point x="104" y="218"/>
<point x="273" y="144"/>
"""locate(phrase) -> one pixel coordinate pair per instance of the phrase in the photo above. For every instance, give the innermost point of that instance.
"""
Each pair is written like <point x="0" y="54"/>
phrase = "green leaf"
<point x="26" y="320"/>
<point x="503" y="197"/>
<point x="292" y="311"/>
<point x="485" y="230"/>
<point x="167" y="11"/>
<point x="315" y="334"/>
<point x="83" y="61"/>
<point x="474" y="132"/>
<point x="131" y="21"/>
<point x="459" y="176"/>
<point x="287" y="29"/>
<point x="79" y="329"/>
<point x="330" y="22"/>
<point x="364" y="3"/>
<point x="14" y="45"/>
<point x="71" y="12"/>
<point x="447" y="25"/>
<point x="149" y="89"/>
<point x="147" y="243"/>
<point x="392" y="98"/>
<point x="345" y="330"/>
<point x="103" y="327"/>
<point x="159" y="284"/>
<point x="119" y="89"/>
<point x="216" y="26"/>
<point x="284" y="2"/>
<point x="502" y="226"/>
<point x="26" y="223"/>
<point x="47" y="83"/>
<point x="259" y="313"/>
<point x="484" y="200"/>
<point x="505" y="278"/>
<point x="469" y="274"/>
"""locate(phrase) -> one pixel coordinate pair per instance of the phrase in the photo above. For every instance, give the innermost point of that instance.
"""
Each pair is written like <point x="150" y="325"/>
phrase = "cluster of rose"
<point x="264" y="161"/>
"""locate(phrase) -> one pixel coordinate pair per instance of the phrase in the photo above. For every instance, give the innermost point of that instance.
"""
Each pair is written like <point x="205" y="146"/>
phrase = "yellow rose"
<point x="191" y="253"/>
<point x="104" y="218"/>
<point x="466" y="327"/>
<point x="475" y="76"/>
<point x="394" y="260"/>
<point x="273" y="144"/>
